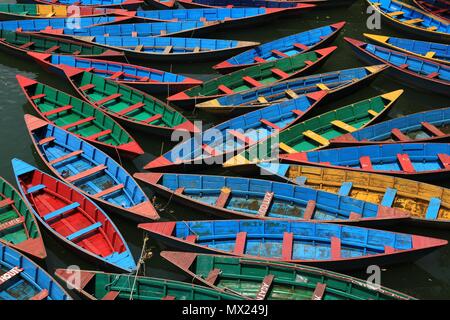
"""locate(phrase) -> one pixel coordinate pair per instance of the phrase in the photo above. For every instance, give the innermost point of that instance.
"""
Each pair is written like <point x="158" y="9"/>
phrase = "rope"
<point x="173" y="216"/>
<point x="140" y="262"/>
<point x="118" y="156"/>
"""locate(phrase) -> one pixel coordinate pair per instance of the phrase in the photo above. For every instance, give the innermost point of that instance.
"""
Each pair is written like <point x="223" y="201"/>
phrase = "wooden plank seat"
<point x="192" y="238"/>
<point x="84" y="231"/>
<point x="397" y="134"/>
<point x="6" y="202"/>
<point x="389" y="197"/>
<point x="259" y="60"/>
<point x="405" y="163"/>
<point x="134" y="34"/>
<point x="10" y="275"/>
<point x="309" y="62"/>
<point x="66" y="157"/>
<point x="86" y="173"/>
<point x="335" y="248"/>
<point x="111" y="295"/>
<point x="433" y="209"/>
<point x="100" y="134"/>
<point x="168" y="298"/>
<point x="223" y="197"/>
<point x="52" y="49"/>
<point x="270" y="124"/>
<point x="403" y="66"/>
<point x="345" y="189"/>
<point x="316" y="137"/>
<point x="291" y="94"/>
<point x="87" y="87"/>
<point x="196" y="50"/>
<point x="322" y="86"/>
<point x="265" y="287"/>
<point x="26" y="45"/>
<point x="430" y="54"/>
<point x="41" y="295"/>
<point x="139" y="48"/>
<point x="38" y="96"/>
<point x="251" y="81"/>
<point x="241" y="241"/>
<point x="36" y="188"/>
<point x="395" y="13"/>
<point x="365" y="163"/>
<point x="389" y="249"/>
<point x="162" y="32"/>
<point x="213" y="275"/>
<point x="262" y="100"/>
<point x="445" y="160"/>
<point x="76" y="52"/>
<point x="309" y="210"/>
<point x="279" y="53"/>
<point x="179" y="190"/>
<point x="109" y="191"/>
<point x="61" y="211"/>
<point x="46" y="140"/>
<point x="280" y="73"/>
<point x="287" y="246"/>
<point x="131" y="108"/>
<point x="50" y="14"/>
<point x="240" y="136"/>
<point x="319" y="291"/>
<point x="373" y="113"/>
<point x="344" y="126"/>
<point x="108" y="98"/>
<point x="265" y="204"/>
<point x="224" y="89"/>
<point x="354" y="216"/>
<point x="117" y="75"/>
<point x="210" y="150"/>
<point x="284" y="147"/>
<point x="57" y="110"/>
<point x="78" y="123"/>
<point x="168" y="49"/>
<point x="433" y="75"/>
<point x="12" y="223"/>
<point x="432" y="129"/>
<point x="300" y="46"/>
<point x="432" y="28"/>
<point x="153" y="118"/>
<point x="298" y="112"/>
<point x="413" y="21"/>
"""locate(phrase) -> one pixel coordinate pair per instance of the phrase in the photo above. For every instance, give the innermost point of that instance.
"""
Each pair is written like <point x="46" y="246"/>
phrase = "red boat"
<point x="440" y="8"/>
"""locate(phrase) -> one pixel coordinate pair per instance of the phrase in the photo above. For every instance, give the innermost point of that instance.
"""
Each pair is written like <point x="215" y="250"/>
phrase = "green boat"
<point x="260" y="280"/>
<point x="97" y="285"/>
<point x="252" y="77"/>
<point x="80" y="118"/>
<point x="19" y="43"/>
<point x="132" y="107"/>
<point x="18" y="226"/>
<point x="316" y="132"/>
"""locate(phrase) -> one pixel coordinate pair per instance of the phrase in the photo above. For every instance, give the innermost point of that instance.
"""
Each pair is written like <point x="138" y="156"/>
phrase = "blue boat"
<point x="437" y="52"/>
<point x="336" y="83"/>
<point x="168" y="49"/>
<point x="294" y="4"/>
<point x="420" y="73"/>
<point x="155" y="29"/>
<point x="73" y="218"/>
<point x="22" y="279"/>
<point x="146" y="79"/>
<point x="118" y="4"/>
<point x="37" y="25"/>
<point x="427" y="126"/>
<point x="281" y="48"/>
<point x="419" y="160"/>
<point x="89" y="170"/>
<point x="267" y="200"/>
<point x="410" y="19"/>
<point x="217" y="144"/>
<point x="323" y="245"/>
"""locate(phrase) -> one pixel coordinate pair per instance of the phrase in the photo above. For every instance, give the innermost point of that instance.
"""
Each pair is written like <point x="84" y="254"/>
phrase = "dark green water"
<point x="428" y="278"/>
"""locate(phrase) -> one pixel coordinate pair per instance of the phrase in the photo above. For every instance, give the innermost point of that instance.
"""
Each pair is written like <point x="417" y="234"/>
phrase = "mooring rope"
<point x="141" y="262"/>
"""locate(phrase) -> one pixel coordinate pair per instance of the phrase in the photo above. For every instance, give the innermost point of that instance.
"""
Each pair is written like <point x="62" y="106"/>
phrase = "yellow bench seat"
<point x="344" y="126"/>
<point x="316" y="137"/>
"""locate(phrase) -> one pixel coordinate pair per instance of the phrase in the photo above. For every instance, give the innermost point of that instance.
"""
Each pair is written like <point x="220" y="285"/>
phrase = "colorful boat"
<point x="253" y="77"/>
<point x="281" y="48"/>
<point x="316" y="133"/>
<point x="418" y="160"/>
<point x="418" y="72"/>
<point x="438" y="8"/>
<point x="80" y="118"/>
<point x="336" y="83"/>
<point x="427" y="126"/>
<point x="19" y="44"/>
<point x="153" y="29"/>
<point x="268" y="280"/>
<point x="22" y="279"/>
<point x="89" y="170"/>
<point x="323" y="245"/>
<point x="266" y="200"/>
<point x="217" y="144"/>
<point x="119" y="4"/>
<point x="132" y="107"/>
<point x="37" y="25"/>
<point x="436" y="52"/>
<point x="168" y="49"/>
<point x="294" y="4"/>
<point x="413" y="20"/>
<point x="161" y="4"/>
<point x="73" y="218"/>
<point x="17" y="11"/>
<point x="18" y="227"/>
<point x="97" y="285"/>
<point x="429" y="205"/>
<point x="142" y="78"/>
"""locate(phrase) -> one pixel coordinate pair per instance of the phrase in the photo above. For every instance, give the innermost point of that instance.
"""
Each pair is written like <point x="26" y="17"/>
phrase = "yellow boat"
<point x="427" y="203"/>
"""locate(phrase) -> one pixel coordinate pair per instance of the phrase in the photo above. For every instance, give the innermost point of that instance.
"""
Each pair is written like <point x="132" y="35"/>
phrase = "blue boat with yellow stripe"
<point x="323" y="245"/>
<point x="118" y="4"/>
<point x="22" y="279"/>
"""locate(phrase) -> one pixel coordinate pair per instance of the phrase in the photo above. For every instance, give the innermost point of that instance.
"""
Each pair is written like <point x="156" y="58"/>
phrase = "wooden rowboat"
<point x="18" y="227"/>
<point x="161" y="4"/>
<point x="336" y="83"/>
<point x="427" y="126"/>
<point x="428" y="204"/>
<point x="253" y="77"/>
<point x="217" y="144"/>
<point x="281" y="48"/>
<point x="436" y="52"/>
<point x="19" y="44"/>
<point x="418" y="160"/>
<point x="119" y="4"/>
<point x="17" y="11"/>
<point x="142" y="78"/>
<point x="73" y="218"/>
<point x="294" y="4"/>
<point x="134" y="108"/>
<point x="316" y="133"/>
<point x="410" y="19"/>
<point x="418" y="72"/>
<point x="22" y="279"/>
<point x="89" y="171"/>
<point x="171" y="49"/>
<point x="440" y="8"/>
<point x="266" y="200"/>
<point x="323" y="245"/>
<point x="97" y="285"/>
<point x="268" y="280"/>
<point x="80" y="118"/>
